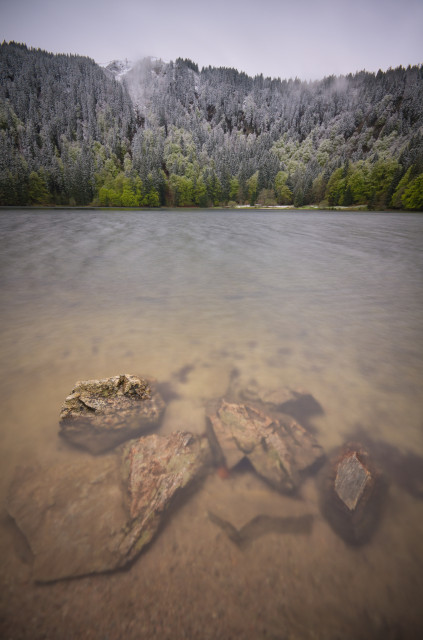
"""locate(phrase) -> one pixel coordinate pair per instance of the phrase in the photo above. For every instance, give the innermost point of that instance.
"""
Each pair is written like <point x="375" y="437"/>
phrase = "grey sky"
<point x="277" y="38"/>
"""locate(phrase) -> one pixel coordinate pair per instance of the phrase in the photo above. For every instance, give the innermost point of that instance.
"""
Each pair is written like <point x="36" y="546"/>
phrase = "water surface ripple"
<point x="329" y="301"/>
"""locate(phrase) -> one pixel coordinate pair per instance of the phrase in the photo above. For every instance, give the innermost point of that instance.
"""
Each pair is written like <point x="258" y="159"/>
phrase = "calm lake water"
<point x="328" y="301"/>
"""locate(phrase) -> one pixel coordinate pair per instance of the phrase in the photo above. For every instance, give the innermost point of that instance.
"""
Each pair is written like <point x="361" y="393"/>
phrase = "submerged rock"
<point x="351" y="480"/>
<point x="402" y="467"/>
<point x="296" y="402"/>
<point x="156" y="470"/>
<point x="353" y="490"/>
<point x="81" y="518"/>
<point x="100" y="414"/>
<point x="281" y="451"/>
<point x="71" y="515"/>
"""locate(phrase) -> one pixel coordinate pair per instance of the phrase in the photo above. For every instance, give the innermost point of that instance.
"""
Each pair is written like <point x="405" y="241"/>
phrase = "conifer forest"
<point x="73" y="133"/>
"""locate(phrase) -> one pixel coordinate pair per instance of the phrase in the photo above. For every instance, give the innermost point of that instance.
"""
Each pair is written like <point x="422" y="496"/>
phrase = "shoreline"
<point x="241" y="207"/>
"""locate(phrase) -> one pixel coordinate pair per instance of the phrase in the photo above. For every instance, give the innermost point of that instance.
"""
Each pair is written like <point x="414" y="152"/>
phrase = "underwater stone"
<point x="80" y="518"/>
<point x="100" y="414"/>
<point x="352" y="493"/>
<point x="296" y="402"/>
<point x="71" y="515"/>
<point x="280" y="450"/>
<point x="351" y="480"/>
<point x="157" y="470"/>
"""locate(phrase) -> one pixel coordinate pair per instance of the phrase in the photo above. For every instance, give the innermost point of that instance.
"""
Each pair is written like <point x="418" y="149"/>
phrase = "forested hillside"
<point x="171" y="134"/>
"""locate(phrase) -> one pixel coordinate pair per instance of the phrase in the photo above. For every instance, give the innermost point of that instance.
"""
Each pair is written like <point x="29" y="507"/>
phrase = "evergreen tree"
<point x="172" y="134"/>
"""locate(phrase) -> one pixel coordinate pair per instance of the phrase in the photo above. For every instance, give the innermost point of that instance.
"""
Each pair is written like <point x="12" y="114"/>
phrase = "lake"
<point x="330" y="302"/>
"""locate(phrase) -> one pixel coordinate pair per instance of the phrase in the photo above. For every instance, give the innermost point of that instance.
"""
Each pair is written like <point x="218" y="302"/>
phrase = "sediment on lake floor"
<point x="98" y="514"/>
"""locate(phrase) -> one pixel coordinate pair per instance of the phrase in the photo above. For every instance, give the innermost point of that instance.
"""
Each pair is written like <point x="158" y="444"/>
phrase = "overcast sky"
<point x="304" y="38"/>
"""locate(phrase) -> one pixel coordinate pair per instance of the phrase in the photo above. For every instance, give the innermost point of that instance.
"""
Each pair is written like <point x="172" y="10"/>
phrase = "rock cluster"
<point x="98" y="514"/>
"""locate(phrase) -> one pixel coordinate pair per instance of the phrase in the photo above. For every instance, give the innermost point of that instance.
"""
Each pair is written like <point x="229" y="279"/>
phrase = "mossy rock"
<point x="101" y="414"/>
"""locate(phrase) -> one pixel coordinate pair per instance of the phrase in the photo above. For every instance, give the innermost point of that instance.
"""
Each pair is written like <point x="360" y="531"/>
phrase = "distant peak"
<point x="118" y="67"/>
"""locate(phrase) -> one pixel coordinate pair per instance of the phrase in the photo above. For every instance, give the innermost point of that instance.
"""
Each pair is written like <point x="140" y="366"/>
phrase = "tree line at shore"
<point x="169" y="134"/>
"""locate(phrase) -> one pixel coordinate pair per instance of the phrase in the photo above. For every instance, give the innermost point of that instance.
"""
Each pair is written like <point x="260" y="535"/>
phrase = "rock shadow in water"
<point x="262" y="525"/>
<point x="281" y="400"/>
<point x="182" y="374"/>
<point x="167" y="392"/>
<point x="403" y="468"/>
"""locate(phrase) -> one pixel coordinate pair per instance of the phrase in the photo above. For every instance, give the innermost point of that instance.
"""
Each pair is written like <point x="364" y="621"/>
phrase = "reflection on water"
<point x="330" y="302"/>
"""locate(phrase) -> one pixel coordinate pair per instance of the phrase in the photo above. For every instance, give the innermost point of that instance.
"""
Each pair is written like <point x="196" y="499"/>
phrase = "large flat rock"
<point x="280" y="450"/>
<point x="87" y="517"/>
<point x="71" y="515"/>
<point x="101" y="414"/>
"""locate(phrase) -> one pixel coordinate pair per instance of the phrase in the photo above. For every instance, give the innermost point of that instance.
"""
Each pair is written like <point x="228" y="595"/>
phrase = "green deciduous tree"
<point x="282" y="192"/>
<point x="335" y="187"/>
<point x="413" y="194"/>
<point x="182" y="191"/>
<point x="234" y="190"/>
<point x="359" y="183"/>
<point x="252" y="188"/>
<point x="396" y="200"/>
<point x="214" y="190"/>
<point x="38" y="192"/>
<point x="381" y="177"/>
<point x="200" y="192"/>
<point x="318" y="189"/>
<point x="266" y="197"/>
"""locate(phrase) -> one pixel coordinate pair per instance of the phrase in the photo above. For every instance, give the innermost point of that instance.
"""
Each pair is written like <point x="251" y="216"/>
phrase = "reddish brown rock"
<point x="80" y="518"/>
<point x="351" y="480"/>
<point x="156" y="471"/>
<point x="353" y="491"/>
<point x="281" y="451"/>
<point x="100" y="414"/>
<point x="403" y="467"/>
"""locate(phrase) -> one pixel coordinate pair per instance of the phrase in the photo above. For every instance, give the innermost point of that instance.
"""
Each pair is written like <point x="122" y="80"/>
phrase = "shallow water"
<point x="328" y="301"/>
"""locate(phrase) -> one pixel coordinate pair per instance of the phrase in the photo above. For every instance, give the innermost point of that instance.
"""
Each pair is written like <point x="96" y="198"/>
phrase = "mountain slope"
<point x="54" y="110"/>
<point x="156" y="133"/>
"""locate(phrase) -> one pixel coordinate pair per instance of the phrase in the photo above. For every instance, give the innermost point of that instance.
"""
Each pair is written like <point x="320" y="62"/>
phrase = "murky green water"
<point x="331" y="302"/>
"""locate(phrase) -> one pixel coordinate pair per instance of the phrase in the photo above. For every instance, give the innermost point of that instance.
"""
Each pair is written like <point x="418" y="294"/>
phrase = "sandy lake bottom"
<point x="329" y="302"/>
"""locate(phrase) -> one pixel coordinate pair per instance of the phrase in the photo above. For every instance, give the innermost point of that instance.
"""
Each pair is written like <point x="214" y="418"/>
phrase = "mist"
<point x="279" y="39"/>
